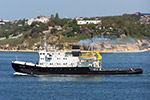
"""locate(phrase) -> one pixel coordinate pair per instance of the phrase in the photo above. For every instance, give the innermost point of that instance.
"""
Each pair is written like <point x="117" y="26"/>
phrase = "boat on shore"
<point x="54" y="62"/>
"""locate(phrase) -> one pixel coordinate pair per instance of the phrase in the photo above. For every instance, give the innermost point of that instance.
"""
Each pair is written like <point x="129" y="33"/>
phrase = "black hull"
<point x="36" y="70"/>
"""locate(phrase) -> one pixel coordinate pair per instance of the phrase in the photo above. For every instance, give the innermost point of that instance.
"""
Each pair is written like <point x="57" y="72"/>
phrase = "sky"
<point x="20" y="9"/>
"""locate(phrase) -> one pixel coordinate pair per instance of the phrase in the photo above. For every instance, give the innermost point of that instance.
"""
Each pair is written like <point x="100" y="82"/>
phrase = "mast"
<point x="45" y="44"/>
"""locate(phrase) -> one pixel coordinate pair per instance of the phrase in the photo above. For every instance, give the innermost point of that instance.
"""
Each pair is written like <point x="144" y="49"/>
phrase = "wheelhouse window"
<point x="64" y="58"/>
<point x="49" y="58"/>
<point x="58" y="58"/>
<point x="51" y="64"/>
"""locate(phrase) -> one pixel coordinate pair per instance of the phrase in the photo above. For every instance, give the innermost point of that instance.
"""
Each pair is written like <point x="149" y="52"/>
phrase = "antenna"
<point x="40" y="44"/>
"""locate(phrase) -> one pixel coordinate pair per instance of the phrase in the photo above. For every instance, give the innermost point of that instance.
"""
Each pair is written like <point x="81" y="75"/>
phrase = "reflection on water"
<point x="61" y="78"/>
<point x="64" y="78"/>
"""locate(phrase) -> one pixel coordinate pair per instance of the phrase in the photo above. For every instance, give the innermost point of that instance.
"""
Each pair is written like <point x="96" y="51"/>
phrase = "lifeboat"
<point x="91" y="56"/>
<point x="87" y="56"/>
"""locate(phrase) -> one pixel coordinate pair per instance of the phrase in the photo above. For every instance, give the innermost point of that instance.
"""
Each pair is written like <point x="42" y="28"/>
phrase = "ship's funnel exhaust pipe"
<point x="76" y="50"/>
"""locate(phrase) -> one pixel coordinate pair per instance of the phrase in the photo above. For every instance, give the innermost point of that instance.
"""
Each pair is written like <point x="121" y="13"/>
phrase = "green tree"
<point x="69" y="34"/>
<point x="53" y="31"/>
<point x="52" y="16"/>
<point x="92" y="26"/>
<point x="57" y="16"/>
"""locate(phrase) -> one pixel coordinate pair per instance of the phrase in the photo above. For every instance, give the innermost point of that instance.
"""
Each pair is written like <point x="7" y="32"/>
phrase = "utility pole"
<point x="39" y="13"/>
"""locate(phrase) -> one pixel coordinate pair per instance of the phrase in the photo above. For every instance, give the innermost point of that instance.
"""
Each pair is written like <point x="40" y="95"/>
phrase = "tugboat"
<point x="52" y="62"/>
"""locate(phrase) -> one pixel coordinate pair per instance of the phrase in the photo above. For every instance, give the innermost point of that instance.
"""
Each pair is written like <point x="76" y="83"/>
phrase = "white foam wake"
<point x="18" y="73"/>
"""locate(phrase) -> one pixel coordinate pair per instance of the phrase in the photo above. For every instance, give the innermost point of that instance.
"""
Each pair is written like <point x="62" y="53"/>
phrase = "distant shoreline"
<point x="105" y="51"/>
<point x="18" y="51"/>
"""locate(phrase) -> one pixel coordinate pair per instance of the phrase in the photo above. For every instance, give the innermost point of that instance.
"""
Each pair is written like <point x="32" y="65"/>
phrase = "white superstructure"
<point x="55" y="58"/>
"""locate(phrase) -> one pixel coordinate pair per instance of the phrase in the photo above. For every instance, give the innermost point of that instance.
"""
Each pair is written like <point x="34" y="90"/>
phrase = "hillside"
<point x="21" y="36"/>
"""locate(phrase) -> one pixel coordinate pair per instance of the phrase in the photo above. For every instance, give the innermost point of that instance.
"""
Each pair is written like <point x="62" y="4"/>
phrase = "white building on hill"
<point x="42" y="19"/>
<point x="82" y="22"/>
<point x="2" y="21"/>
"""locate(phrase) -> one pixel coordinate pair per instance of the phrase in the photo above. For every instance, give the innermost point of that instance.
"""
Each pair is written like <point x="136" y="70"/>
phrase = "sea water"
<point x="118" y="87"/>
